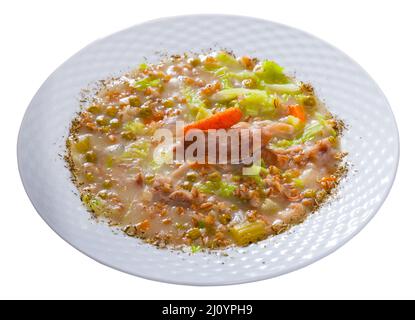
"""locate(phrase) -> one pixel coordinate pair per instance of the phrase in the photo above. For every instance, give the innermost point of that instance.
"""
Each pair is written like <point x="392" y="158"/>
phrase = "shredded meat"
<point x="267" y="132"/>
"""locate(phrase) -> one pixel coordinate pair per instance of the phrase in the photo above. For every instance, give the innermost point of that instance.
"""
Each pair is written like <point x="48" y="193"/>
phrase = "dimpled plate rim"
<point x="341" y="83"/>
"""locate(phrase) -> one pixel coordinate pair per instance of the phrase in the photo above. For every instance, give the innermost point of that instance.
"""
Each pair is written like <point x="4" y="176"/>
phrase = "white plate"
<point x="372" y="142"/>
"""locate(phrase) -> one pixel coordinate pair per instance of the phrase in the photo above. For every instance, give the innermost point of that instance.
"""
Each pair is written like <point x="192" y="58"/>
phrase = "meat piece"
<point x="139" y="179"/>
<point x="242" y="125"/>
<point x="272" y="157"/>
<point x="180" y="171"/>
<point x="294" y="214"/>
<point x="323" y="154"/>
<point x="291" y="193"/>
<point x="276" y="130"/>
<point x="181" y="196"/>
<point x="278" y="226"/>
<point x="163" y="190"/>
<point x="162" y="184"/>
<point x="255" y="200"/>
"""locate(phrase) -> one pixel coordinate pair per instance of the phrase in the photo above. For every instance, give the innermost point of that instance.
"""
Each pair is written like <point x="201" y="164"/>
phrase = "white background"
<point x="37" y="36"/>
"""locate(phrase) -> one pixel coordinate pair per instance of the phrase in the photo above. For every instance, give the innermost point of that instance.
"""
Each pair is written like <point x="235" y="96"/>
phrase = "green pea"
<point x="194" y="233"/>
<point x="290" y="174"/>
<point x="309" y="193"/>
<point x="320" y="195"/>
<point x="115" y="123"/>
<point x="105" y="129"/>
<point x="94" y="109"/>
<point x="225" y="218"/>
<point x="187" y="185"/>
<point x="107" y="183"/>
<point x="249" y="83"/>
<point x="90" y="156"/>
<point x="101" y="120"/>
<point x="83" y="144"/>
<point x="194" y="62"/>
<point x="191" y="176"/>
<point x="109" y="162"/>
<point x="103" y="194"/>
<point x="309" y="101"/>
<point x="179" y="226"/>
<point x="111" y="111"/>
<point x="89" y="177"/>
<point x="128" y="135"/>
<point x="234" y="207"/>
<point x="168" y="103"/>
<point x="214" y="176"/>
<point x="149" y="178"/>
<point x="134" y="101"/>
<point x="145" y="112"/>
<point x="333" y="140"/>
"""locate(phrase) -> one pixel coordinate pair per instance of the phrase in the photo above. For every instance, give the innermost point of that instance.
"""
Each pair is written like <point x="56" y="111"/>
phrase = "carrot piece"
<point x="144" y="225"/>
<point x="220" y="120"/>
<point x="297" y="111"/>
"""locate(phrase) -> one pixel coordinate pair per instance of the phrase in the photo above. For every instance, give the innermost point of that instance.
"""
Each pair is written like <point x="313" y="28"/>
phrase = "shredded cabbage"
<point x="323" y="121"/>
<point x="299" y="183"/>
<point x="253" y="102"/>
<point x="143" y="66"/>
<point x="311" y="132"/>
<point x="95" y="204"/>
<point x="83" y="144"/>
<point x="253" y="170"/>
<point x="232" y="93"/>
<point x="294" y="121"/>
<point x="145" y="83"/>
<point x="226" y="190"/>
<point x="203" y="113"/>
<point x="287" y="88"/>
<point x="248" y="232"/>
<point x="271" y="72"/>
<point x="197" y="108"/>
<point x="136" y="127"/>
<point x="136" y="150"/>
<point x="219" y="188"/>
<point x="242" y="75"/>
<point x="226" y="77"/>
<point x="195" y="249"/>
<point x="257" y="103"/>
<point x="226" y="59"/>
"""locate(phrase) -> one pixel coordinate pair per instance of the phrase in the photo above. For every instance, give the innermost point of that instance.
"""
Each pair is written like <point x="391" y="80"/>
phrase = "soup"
<point x="125" y="177"/>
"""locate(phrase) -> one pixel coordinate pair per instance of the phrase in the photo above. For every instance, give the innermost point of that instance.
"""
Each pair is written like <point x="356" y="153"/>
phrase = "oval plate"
<point x="371" y="140"/>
